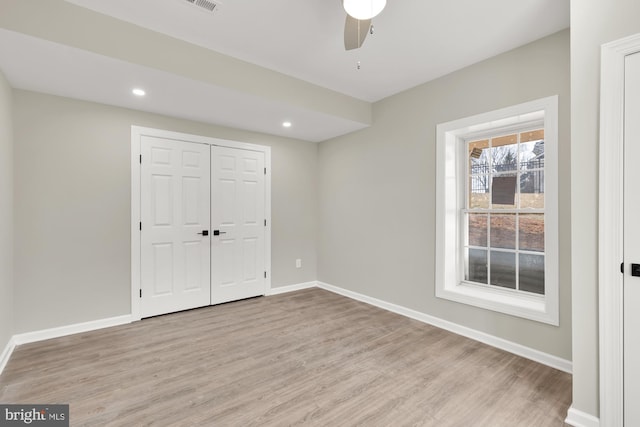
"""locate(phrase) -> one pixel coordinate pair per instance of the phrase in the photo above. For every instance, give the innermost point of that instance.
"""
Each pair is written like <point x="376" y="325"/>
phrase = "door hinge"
<point x="265" y="222"/>
<point x="265" y="171"/>
<point x="622" y="267"/>
<point x="140" y="158"/>
<point x="265" y="274"/>
<point x="140" y="225"/>
<point x="140" y="293"/>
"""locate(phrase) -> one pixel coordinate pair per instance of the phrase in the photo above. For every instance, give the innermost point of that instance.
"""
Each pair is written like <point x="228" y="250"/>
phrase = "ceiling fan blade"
<point x="355" y="31"/>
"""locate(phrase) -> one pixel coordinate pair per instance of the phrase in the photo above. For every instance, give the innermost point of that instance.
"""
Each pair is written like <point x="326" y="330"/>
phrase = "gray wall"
<point x="377" y="190"/>
<point x="593" y="22"/>
<point x="72" y="207"/>
<point x="6" y="214"/>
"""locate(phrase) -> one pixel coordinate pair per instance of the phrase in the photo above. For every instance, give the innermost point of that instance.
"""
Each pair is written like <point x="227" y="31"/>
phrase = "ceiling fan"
<point x="358" y="22"/>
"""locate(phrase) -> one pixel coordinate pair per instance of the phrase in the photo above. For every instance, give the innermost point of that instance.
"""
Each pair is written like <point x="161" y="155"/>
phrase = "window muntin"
<point x="504" y="211"/>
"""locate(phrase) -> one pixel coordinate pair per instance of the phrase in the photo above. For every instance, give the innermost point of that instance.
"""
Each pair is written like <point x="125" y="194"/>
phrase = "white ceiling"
<point x="66" y="71"/>
<point x="414" y="41"/>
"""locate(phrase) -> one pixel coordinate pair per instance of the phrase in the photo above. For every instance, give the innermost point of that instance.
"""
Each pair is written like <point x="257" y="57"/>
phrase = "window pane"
<point x="531" y="150"/>
<point x="503" y="269"/>
<point x="532" y="273"/>
<point x="531" y="232"/>
<point x="503" y="191"/>
<point x="479" y="178"/>
<point x="477" y="267"/>
<point x="478" y="157"/>
<point x="533" y="135"/>
<point x="479" y="191"/>
<point x="532" y="188"/>
<point x="503" y="231"/>
<point x="504" y="154"/>
<point x="477" y="229"/>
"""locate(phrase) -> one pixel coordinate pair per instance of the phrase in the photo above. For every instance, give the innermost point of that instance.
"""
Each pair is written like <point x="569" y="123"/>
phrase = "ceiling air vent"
<point x="207" y="5"/>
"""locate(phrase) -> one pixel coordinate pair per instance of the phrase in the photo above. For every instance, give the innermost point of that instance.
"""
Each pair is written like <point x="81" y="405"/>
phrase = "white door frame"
<point x="136" y="133"/>
<point x="611" y="227"/>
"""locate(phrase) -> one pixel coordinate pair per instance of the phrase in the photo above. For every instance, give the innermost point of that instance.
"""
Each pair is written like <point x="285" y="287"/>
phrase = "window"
<point x="497" y="211"/>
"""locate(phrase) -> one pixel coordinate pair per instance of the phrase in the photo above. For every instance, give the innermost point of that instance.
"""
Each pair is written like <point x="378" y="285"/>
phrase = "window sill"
<point x="531" y="307"/>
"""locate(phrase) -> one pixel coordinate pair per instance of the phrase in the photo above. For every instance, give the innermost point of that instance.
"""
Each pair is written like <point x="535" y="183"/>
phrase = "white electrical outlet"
<point x="298" y="263"/>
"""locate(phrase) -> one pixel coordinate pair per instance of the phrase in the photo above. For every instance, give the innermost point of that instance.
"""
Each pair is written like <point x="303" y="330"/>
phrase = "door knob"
<point x="635" y="270"/>
<point x="204" y="233"/>
<point x="218" y="232"/>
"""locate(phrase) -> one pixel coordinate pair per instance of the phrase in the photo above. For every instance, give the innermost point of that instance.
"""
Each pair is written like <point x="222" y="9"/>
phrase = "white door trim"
<point x="136" y="133"/>
<point x="610" y="250"/>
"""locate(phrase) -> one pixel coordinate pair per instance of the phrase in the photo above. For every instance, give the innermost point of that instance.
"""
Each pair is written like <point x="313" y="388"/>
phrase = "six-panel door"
<point x="175" y="210"/>
<point x="238" y="214"/>
<point x="203" y="225"/>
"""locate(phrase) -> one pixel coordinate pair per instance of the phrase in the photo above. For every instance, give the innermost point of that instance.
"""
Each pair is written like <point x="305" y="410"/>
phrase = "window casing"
<point x="497" y="211"/>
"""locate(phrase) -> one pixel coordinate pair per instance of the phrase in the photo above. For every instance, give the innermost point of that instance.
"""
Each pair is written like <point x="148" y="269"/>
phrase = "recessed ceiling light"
<point x="286" y="124"/>
<point x="138" y="92"/>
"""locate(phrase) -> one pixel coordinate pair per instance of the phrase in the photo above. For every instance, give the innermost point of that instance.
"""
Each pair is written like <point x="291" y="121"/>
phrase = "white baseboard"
<point x="291" y="288"/>
<point x="62" y="331"/>
<point x="520" y="350"/>
<point x="6" y="354"/>
<point x="578" y="418"/>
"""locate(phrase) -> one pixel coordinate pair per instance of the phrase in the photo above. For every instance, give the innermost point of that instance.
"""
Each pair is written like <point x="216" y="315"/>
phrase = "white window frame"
<point x="451" y="185"/>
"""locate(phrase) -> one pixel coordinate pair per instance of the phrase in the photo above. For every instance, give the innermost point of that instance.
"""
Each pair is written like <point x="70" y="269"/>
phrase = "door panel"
<point x="175" y="207"/>
<point x="162" y="196"/>
<point x="238" y="212"/>
<point x="632" y="242"/>
<point x="162" y="268"/>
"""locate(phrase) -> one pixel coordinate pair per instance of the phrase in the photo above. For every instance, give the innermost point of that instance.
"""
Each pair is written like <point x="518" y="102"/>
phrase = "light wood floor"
<point x="309" y="357"/>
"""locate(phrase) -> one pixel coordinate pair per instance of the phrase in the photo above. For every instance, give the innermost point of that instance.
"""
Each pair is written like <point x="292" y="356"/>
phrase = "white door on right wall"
<point x="632" y="242"/>
<point x="238" y="268"/>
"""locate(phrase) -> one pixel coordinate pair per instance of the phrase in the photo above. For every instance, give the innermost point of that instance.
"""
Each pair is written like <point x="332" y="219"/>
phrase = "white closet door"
<point x="238" y="223"/>
<point x="175" y="212"/>
<point x="632" y="242"/>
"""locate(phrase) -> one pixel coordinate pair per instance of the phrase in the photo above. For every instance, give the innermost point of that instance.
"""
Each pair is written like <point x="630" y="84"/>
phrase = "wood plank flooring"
<point x="305" y="358"/>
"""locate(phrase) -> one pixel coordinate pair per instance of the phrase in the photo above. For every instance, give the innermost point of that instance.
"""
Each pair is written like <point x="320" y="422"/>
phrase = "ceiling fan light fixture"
<point x="363" y="9"/>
